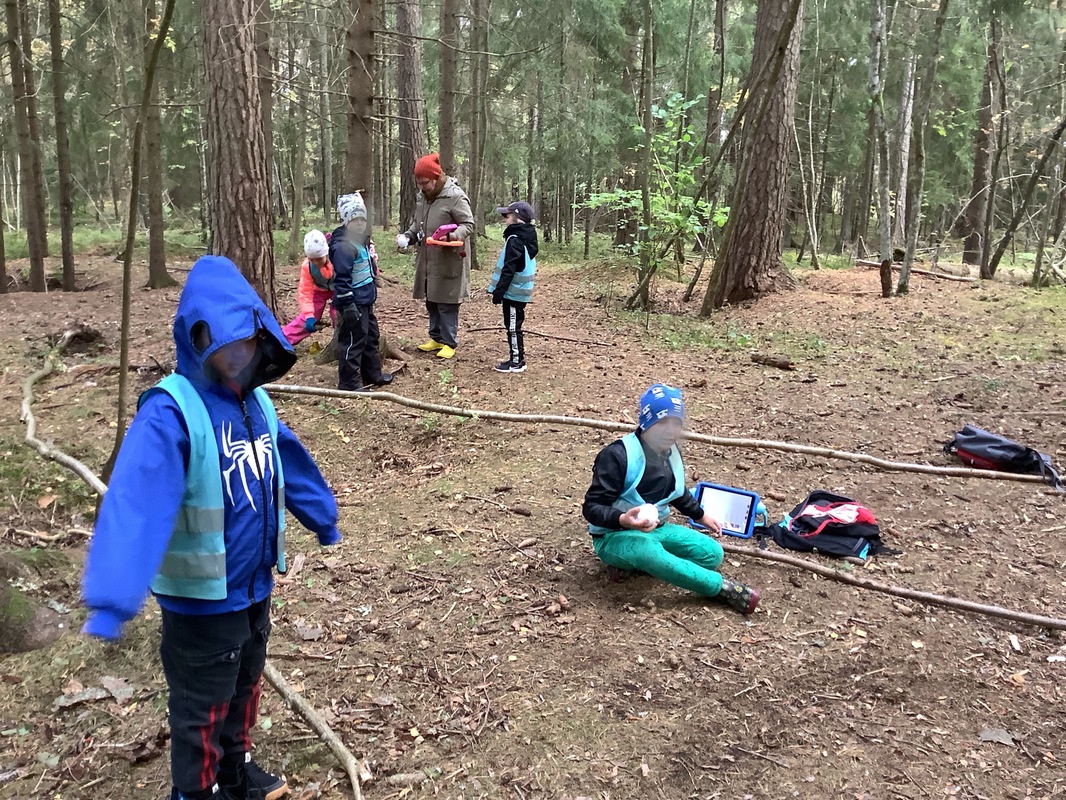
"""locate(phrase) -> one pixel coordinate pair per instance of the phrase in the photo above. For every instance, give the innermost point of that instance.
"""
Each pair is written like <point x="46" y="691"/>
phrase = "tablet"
<point x="733" y="509"/>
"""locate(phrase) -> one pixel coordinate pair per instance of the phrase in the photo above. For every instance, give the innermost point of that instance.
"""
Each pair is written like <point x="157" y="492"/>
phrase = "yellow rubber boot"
<point x="432" y="346"/>
<point x="446" y="352"/>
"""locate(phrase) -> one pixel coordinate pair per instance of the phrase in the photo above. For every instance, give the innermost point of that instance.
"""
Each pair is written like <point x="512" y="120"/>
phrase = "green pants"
<point x="680" y="556"/>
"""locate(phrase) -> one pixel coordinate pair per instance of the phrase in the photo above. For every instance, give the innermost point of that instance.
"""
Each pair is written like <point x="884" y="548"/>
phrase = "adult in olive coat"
<point x="442" y="274"/>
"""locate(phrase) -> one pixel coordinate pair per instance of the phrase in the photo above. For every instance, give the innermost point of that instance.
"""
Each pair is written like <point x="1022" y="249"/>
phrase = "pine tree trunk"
<point x="411" y="127"/>
<point x="325" y="119"/>
<point x="66" y="189"/>
<point x="878" y="47"/>
<point x="749" y="264"/>
<point x="41" y="193"/>
<point x="264" y="18"/>
<point x="479" y="45"/>
<point x="239" y="173"/>
<point x="973" y="220"/>
<point x="449" y="46"/>
<point x="28" y="188"/>
<point x="917" y="183"/>
<point x="299" y="159"/>
<point x="3" y="251"/>
<point x="359" y="154"/>
<point x="158" y="277"/>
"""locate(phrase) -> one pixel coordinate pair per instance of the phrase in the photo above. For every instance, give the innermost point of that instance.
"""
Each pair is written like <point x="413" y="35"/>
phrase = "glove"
<point x="350" y="316"/>
<point x="309" y="324"/>
<point x="402" y="242"/>
<point x="497" y="299"/>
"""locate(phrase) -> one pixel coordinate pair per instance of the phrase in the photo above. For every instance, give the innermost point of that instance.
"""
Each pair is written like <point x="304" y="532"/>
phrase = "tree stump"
<point x="386" y="346"/>
<point x="886" y="278"/>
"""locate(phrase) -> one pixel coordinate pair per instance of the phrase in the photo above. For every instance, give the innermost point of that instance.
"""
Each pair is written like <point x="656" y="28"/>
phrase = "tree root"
<point x="720" y="441"/>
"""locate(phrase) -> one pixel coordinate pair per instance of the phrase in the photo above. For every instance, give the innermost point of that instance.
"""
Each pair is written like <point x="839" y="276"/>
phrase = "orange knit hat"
<point x="428" y="167"/>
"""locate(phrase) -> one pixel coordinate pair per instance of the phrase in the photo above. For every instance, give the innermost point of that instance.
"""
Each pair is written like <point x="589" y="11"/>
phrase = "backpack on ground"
<point x="832" y="524"/>
<point x="980" y="449"/>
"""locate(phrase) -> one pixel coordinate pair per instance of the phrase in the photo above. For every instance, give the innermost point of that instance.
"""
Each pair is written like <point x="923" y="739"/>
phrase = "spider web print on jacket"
<point x="243" y="457"/>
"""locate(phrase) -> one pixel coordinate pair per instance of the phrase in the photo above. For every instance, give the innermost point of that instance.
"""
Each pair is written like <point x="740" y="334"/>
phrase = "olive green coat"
<point x="442" y="275"/>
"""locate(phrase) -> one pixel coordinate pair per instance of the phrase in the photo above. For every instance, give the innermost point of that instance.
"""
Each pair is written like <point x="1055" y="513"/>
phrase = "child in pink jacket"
<point x="315" y="289"/>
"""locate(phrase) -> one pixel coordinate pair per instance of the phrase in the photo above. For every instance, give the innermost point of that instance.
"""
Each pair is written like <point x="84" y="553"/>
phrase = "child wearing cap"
<point x="314" y="290"/>
<point x="354" y="293"/>
<point x="636" y="481"/>
<point x="512" y="283"/>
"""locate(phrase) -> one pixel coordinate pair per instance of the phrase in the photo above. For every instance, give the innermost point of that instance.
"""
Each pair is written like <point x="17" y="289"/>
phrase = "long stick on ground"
<point x="528" y="332"/>
<point x="318" y="725"/>
<point x="898" y="591"/>
<point x="296" y="703"/>
<point x="604" y="425"/>
<point x="944" y="277"/>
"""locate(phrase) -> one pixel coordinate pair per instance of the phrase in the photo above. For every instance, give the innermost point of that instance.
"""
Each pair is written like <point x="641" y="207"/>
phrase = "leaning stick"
<point x="720" y="441"/>
<point x="296" y="703"/>
<point x="898" y="591"/>
<point x="318" y="725"/>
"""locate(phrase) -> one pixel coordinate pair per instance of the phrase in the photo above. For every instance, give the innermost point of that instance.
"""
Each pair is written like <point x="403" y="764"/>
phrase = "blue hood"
<point x="219" y="307"/>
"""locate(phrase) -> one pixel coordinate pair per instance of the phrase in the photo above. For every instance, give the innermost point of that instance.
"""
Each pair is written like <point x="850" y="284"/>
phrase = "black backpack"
<point x="832" y="524"/>
<point x="980" y="449"/>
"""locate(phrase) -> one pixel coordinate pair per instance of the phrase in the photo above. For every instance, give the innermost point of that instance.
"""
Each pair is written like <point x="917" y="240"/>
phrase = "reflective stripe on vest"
<point x="636" y="462"/>
<point x="521" y="288"/>
<point x="194" y="564"/>
<point x="362" y="267"/>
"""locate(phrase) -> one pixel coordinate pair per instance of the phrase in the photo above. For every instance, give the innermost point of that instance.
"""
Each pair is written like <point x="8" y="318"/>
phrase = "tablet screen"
<point x="732" y="510"/>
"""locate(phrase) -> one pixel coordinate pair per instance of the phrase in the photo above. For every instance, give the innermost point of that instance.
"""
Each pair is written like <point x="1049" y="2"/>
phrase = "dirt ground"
<point x="464" y="639"/>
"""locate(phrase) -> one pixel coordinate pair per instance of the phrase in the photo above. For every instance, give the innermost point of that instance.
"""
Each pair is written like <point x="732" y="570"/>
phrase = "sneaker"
<point x="446" y="351"/>
<point x="246" y="780"/>
<point x="511" y="366"/>
<point x="739" y="596"/>
<point x="432" y="346"/>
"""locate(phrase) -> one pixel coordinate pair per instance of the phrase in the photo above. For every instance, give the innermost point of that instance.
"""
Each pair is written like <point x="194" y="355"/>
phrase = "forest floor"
<point x="485" y="649"/>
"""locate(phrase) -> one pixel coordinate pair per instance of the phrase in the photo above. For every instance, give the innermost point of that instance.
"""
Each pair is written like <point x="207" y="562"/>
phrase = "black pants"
<point x="358" y="357"/>
<point x="213" y="666"/>
<point x="514" y="316"/>
<point x="443" y="322"/>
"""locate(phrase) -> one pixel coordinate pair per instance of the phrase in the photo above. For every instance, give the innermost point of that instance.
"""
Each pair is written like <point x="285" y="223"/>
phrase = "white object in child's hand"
<point x="647" y="513"/>
<point x="402" y="242"/>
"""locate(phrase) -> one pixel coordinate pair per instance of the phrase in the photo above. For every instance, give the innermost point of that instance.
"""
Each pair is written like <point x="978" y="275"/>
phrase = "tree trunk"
<point x="918" y="179"/>
<point x="41" y="194"/>
<point x="409" y="80"/>
<point x="973" y="219"/>
<point x="325" y="119"/>
<point x="750" y="259"/>
<point x="3" y="251"/>
<point x="265" y="63"/>
<point x="1041" y="245"/>
<point x="66" y="189"/>
<point x="359" y="154"/>
<point x="158" y="277"/>
<point x="239" y="173"/>
<point x="878" y="47"/>
<point x="903" y="145"/>
<point x="26" y="147"/>
<point x="479" y="39"/>
<point x="449" y="46"/>
<point x="299" y="158"/>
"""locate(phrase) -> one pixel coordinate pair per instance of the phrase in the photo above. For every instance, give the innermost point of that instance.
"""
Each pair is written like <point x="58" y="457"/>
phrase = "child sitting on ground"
<point x="354" y="293"/>
<point x="314" y="290"/>
<point x="644" y="469"/>
<point x="512" y="282"/>
<point x="196" y="510"/>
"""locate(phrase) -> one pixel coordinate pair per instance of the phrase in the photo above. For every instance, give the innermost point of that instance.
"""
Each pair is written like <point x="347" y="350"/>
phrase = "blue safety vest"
<point x="362" y="267"/>
<point x="195" y="561"/>
<point x="521" y="288"/>
<point x="636" y="462"/>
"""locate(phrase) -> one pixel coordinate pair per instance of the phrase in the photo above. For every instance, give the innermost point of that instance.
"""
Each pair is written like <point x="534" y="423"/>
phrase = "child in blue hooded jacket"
<point x="196" y="512"/>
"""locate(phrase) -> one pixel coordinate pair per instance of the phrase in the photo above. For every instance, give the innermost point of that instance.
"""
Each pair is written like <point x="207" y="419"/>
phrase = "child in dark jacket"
<point x="354" y="293"/>
<point x="512" y="283"/>
<point x="635" y="483"/>
<point x="196" y="511"/>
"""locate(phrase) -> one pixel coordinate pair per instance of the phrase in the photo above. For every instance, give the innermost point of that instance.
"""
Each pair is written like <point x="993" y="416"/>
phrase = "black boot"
<point x="215" y="793"/>
<point x="738" y="596"/>
<point x="243" y="779"/>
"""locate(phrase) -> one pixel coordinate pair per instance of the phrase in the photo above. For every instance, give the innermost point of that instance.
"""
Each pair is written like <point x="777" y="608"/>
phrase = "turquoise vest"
<point x="636" y="462"/>
<point x="362" y="267"/>
<point x="195" y="561"/>
<point x="521" y="288"/>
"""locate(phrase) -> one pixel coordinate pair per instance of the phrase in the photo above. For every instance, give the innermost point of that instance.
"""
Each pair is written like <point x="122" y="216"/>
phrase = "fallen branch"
<point x="780" y="362"/>
<point x="318" y="725"/>
<point x="877" y="265"/>
<point x="719" y="441"/>
<point x="928" y="598"/>
<point x="543" y="336"/>
<point x="297" y="703"/>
